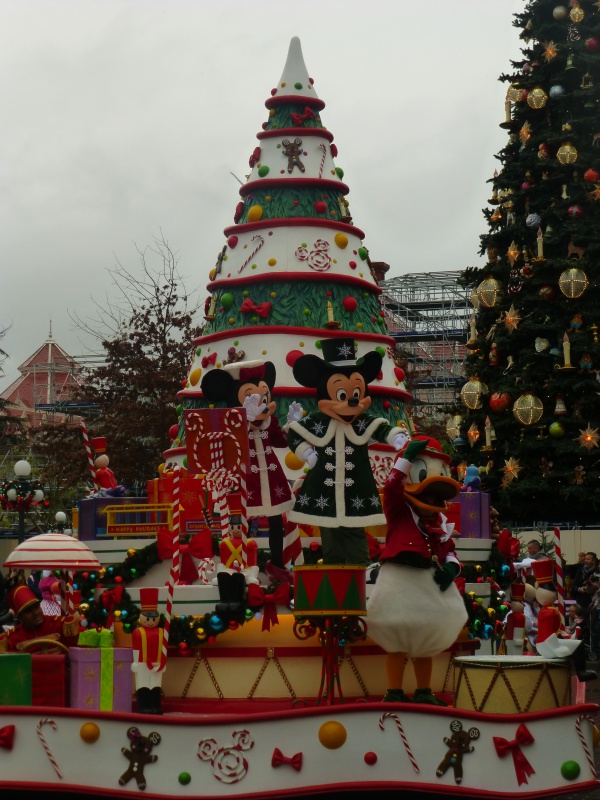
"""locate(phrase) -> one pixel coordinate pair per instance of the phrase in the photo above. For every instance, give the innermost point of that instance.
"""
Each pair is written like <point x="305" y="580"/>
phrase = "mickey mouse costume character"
<point x="415" y="609"/>
<point x="339" y="493"/>
<point x="249" y="384"/>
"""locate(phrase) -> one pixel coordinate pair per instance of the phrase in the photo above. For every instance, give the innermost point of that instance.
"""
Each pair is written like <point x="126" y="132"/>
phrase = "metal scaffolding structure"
<point x="428" y="315"/>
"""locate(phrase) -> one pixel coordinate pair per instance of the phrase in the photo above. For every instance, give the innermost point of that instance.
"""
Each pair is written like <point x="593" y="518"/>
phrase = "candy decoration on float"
<point x="174" y="574"/>
<point x="254" y="252"/>
<point x="396" y="719"/>
<point x="560" y="583"/>
<point x="42" y="738"/>
<point x="586" y="749"/>
<point x="88" y="452"/>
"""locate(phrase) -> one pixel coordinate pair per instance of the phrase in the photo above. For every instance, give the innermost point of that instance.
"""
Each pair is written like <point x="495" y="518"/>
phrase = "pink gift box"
<point x="101" y="678"/>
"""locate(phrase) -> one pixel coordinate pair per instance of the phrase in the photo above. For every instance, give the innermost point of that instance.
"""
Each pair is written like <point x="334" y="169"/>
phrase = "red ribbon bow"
<point x="110" y="599"/>
<point x="503" y="747"/>
<point x="298" y="118"/>
<point x="258" y="597"/>
<point x="278" y="759"/>
<point x="7" y="737"/>
<point x="211" y="359"/>
<point x="262" y="309"/>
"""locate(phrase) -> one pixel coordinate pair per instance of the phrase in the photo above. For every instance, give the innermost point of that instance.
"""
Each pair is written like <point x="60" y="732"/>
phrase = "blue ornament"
<point x="556" y="91"/>
<point x="123" y="613"/>
<point x="216" y="622"/>
<point x="533" y="221"/>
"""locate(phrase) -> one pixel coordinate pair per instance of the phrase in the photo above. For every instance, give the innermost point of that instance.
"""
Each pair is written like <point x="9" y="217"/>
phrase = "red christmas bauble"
<point x="546" y="292"/>
<point x="500" y="402"/>
<point x="575" y="212"/>
<point x="592" y="45"/>
<point x="386" y="404"/>
<point x="591" y="176"/>
<point x="350" y="304"/>
<point x="232" y="241"/>
<point x="173" y="430"/>
<point x="399" y="373"/>
<point x="320" y="207"/>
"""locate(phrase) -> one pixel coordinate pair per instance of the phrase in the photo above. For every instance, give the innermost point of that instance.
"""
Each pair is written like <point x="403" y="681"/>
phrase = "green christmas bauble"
<point x="380" y="350"/>
<point x="363" y="253"/>
<point x="227" y="300"/>
<point x="339" y="172"/>
<point x="263" y="170"/>
<point x="184" y="778"/>
<point x="556" y="430"/>
<point x="570" y="770"/>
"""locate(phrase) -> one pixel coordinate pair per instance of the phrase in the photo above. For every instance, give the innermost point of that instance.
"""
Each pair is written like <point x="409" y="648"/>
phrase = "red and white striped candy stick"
<point x="586" y="749"/>
<point x="261" y="241"/>
<point x="42" y="738"/>
<point x="322" y="164"/>
<point x="396" y="719"/>
<point x="560" y="583"/>
<point x="174" y="574"/>
<point x="88" y="451"/>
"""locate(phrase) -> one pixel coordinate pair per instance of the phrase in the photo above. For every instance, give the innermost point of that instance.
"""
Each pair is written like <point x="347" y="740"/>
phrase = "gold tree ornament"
<point x="550" y="50"/>
<point x="512" y="253"/>
<point x="453" y="427"/>
<point x="511" y="470"/>
<point x="573" y="283"/>
<point x="472" y="392"/>
<point x="525" y="133"/>
<point x="474" y="299"/>
<point x="528" y="409"/>
<point x="512" y="319"/>
<point x="567" y="154"/>
<point x="514" y="94"/>
<point x="537" y="98"/>
<point x="473" y="434"/>
<point x="576" y="14"/>
<point x="595" y="194"/>
<point x="489" y="292"/>
<point x="588" y="438"/>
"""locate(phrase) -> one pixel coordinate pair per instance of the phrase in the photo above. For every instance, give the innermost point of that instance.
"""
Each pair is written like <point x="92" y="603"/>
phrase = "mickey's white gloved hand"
<point x="253" y="407"/>
<point x="400" y="439"/>
<point x="310" y="456"/>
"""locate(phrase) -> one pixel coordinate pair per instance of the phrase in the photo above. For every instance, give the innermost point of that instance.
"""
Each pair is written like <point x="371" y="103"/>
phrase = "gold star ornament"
<point x="511" y="470"/>
<point x="550" y="50"/>
<point x="589" y="437"/>
<point x="512" y="252"/>
<point x="595" y="194"/>
<point x="512" y="319"/>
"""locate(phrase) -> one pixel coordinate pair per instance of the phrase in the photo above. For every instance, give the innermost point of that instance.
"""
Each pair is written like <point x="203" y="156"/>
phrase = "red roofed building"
<point x="48" y="379"/>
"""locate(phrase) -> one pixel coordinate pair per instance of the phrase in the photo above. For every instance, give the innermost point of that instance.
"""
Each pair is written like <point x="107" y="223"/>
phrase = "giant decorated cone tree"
<point x="293" y="269"/>
<point x="536" y="349"/>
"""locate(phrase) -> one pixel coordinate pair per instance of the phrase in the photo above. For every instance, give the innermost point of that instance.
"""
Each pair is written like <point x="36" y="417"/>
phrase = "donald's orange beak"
<point x="432" y="494"/>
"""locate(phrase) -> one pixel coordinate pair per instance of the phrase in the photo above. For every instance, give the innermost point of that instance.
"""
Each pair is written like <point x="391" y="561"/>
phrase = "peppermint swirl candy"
<point x="381" y="469"/>
<point x="207" y="749"/>
<point x="242" y="740"/>
<point x="229" y="765"/>
<point x="319" y="259"/>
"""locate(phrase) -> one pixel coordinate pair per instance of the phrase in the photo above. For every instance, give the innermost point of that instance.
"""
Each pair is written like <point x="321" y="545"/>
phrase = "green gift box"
<point x="96" y="638"/>
<point x="15" y="679"/>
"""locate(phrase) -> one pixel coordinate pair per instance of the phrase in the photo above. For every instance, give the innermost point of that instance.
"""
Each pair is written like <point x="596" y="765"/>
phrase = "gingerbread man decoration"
<point x="458" y="744"/>
<point x="292" y="150"/>
<point x="139" y="755"/>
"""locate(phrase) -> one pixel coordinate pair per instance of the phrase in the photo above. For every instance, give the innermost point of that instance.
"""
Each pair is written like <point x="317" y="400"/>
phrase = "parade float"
<point x="268" y="682"/>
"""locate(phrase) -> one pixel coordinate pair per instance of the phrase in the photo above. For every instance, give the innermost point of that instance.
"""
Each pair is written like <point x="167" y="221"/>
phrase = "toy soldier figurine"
<point x="148" y="658"/>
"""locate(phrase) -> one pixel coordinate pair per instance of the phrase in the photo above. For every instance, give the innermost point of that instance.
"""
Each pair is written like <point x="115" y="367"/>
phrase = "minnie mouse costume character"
<point x="249" y="384"/>
<point x="339" y="493"/>
<point x="415" y="609"/>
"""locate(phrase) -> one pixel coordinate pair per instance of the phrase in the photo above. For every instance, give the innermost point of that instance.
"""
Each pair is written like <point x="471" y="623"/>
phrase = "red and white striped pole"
<point x="88" y="450"/>
<point x="560" y="583"/>
<point x="174" y="574"/>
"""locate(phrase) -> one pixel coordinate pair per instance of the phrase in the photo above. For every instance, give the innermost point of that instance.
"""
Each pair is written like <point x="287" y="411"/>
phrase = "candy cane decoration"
<point x="254" y="252"/>
<point x="88" y="450"/>
<point x="560" y="584"/>
<point x="174" y="574"/>
<point x="324" y="149"/>
<point x="45" y="743"/>
<point x="586" y="749"/>
<point x="396" y="719"/>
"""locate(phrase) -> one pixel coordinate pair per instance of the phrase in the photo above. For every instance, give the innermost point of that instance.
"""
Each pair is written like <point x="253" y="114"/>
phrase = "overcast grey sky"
<point x="124" y="117"/>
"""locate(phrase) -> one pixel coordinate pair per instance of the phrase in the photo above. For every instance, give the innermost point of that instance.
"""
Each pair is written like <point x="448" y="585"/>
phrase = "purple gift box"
<point x="474" y="515"/>
<point x="101" y="678"/>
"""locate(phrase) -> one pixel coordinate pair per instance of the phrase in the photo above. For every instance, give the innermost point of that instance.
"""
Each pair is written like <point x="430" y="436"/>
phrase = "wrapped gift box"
<point x="101" y="678"/>
<point x="15" y="679"/>
<point x="49" y="680"/>
<point x="92" y="514"/>
<point x="474" y="515"/>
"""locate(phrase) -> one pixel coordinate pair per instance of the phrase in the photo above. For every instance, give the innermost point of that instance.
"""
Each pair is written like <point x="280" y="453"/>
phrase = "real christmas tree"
<point x="294" y="269"/>
<point x="532" y="399"/>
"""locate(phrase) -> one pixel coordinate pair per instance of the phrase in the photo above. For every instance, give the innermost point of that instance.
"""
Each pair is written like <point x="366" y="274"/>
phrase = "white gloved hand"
<point x="295" y="413"/>
<point x="400" y="439"/>
<point x="253" y="407"/>
<point x="310" y="457"/>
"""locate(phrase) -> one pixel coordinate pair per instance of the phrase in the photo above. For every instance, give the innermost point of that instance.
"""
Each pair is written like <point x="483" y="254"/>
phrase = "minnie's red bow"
<point x="298" y="118"/>
<point x="262" y="309"/>
<point x="278" y="759"/>
<point x="211" y="359"/>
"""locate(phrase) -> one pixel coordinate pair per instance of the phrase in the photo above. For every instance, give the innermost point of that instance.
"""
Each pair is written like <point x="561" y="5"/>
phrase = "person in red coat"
<point x="32" y="624"/>
<point x="415" y="610"/>
<point x="249" y="384"/>
<point x="148" y="658"/>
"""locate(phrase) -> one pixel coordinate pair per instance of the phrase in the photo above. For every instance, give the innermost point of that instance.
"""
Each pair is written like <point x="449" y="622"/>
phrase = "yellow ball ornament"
<point x="195" y="376"/>
<point x="255" y="213"/>
<point x="595" y="736"/>
<point x="89" y="732"/>
<point x="332" y="735"/>
<point x="341" y="240"/>
<point x="160" y="469"/>
<point x="293" y="462"/>
<point x="528" y="409"/>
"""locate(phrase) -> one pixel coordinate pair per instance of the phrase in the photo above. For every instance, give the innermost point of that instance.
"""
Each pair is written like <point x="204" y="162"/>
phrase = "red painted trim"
<point x="295" y="132"/>
<point x="294" y="183"/>
<point x="288" y="222"/>
<point x="294" y="330"/>
<point x="294" y="99"/>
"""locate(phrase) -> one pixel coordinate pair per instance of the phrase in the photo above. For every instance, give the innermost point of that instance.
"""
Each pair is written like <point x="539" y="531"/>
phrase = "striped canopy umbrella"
<point x="53" y="551"/>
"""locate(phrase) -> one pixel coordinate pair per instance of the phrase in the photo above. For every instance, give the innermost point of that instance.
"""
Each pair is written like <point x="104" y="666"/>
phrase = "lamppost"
<point x="20" y="493"/>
